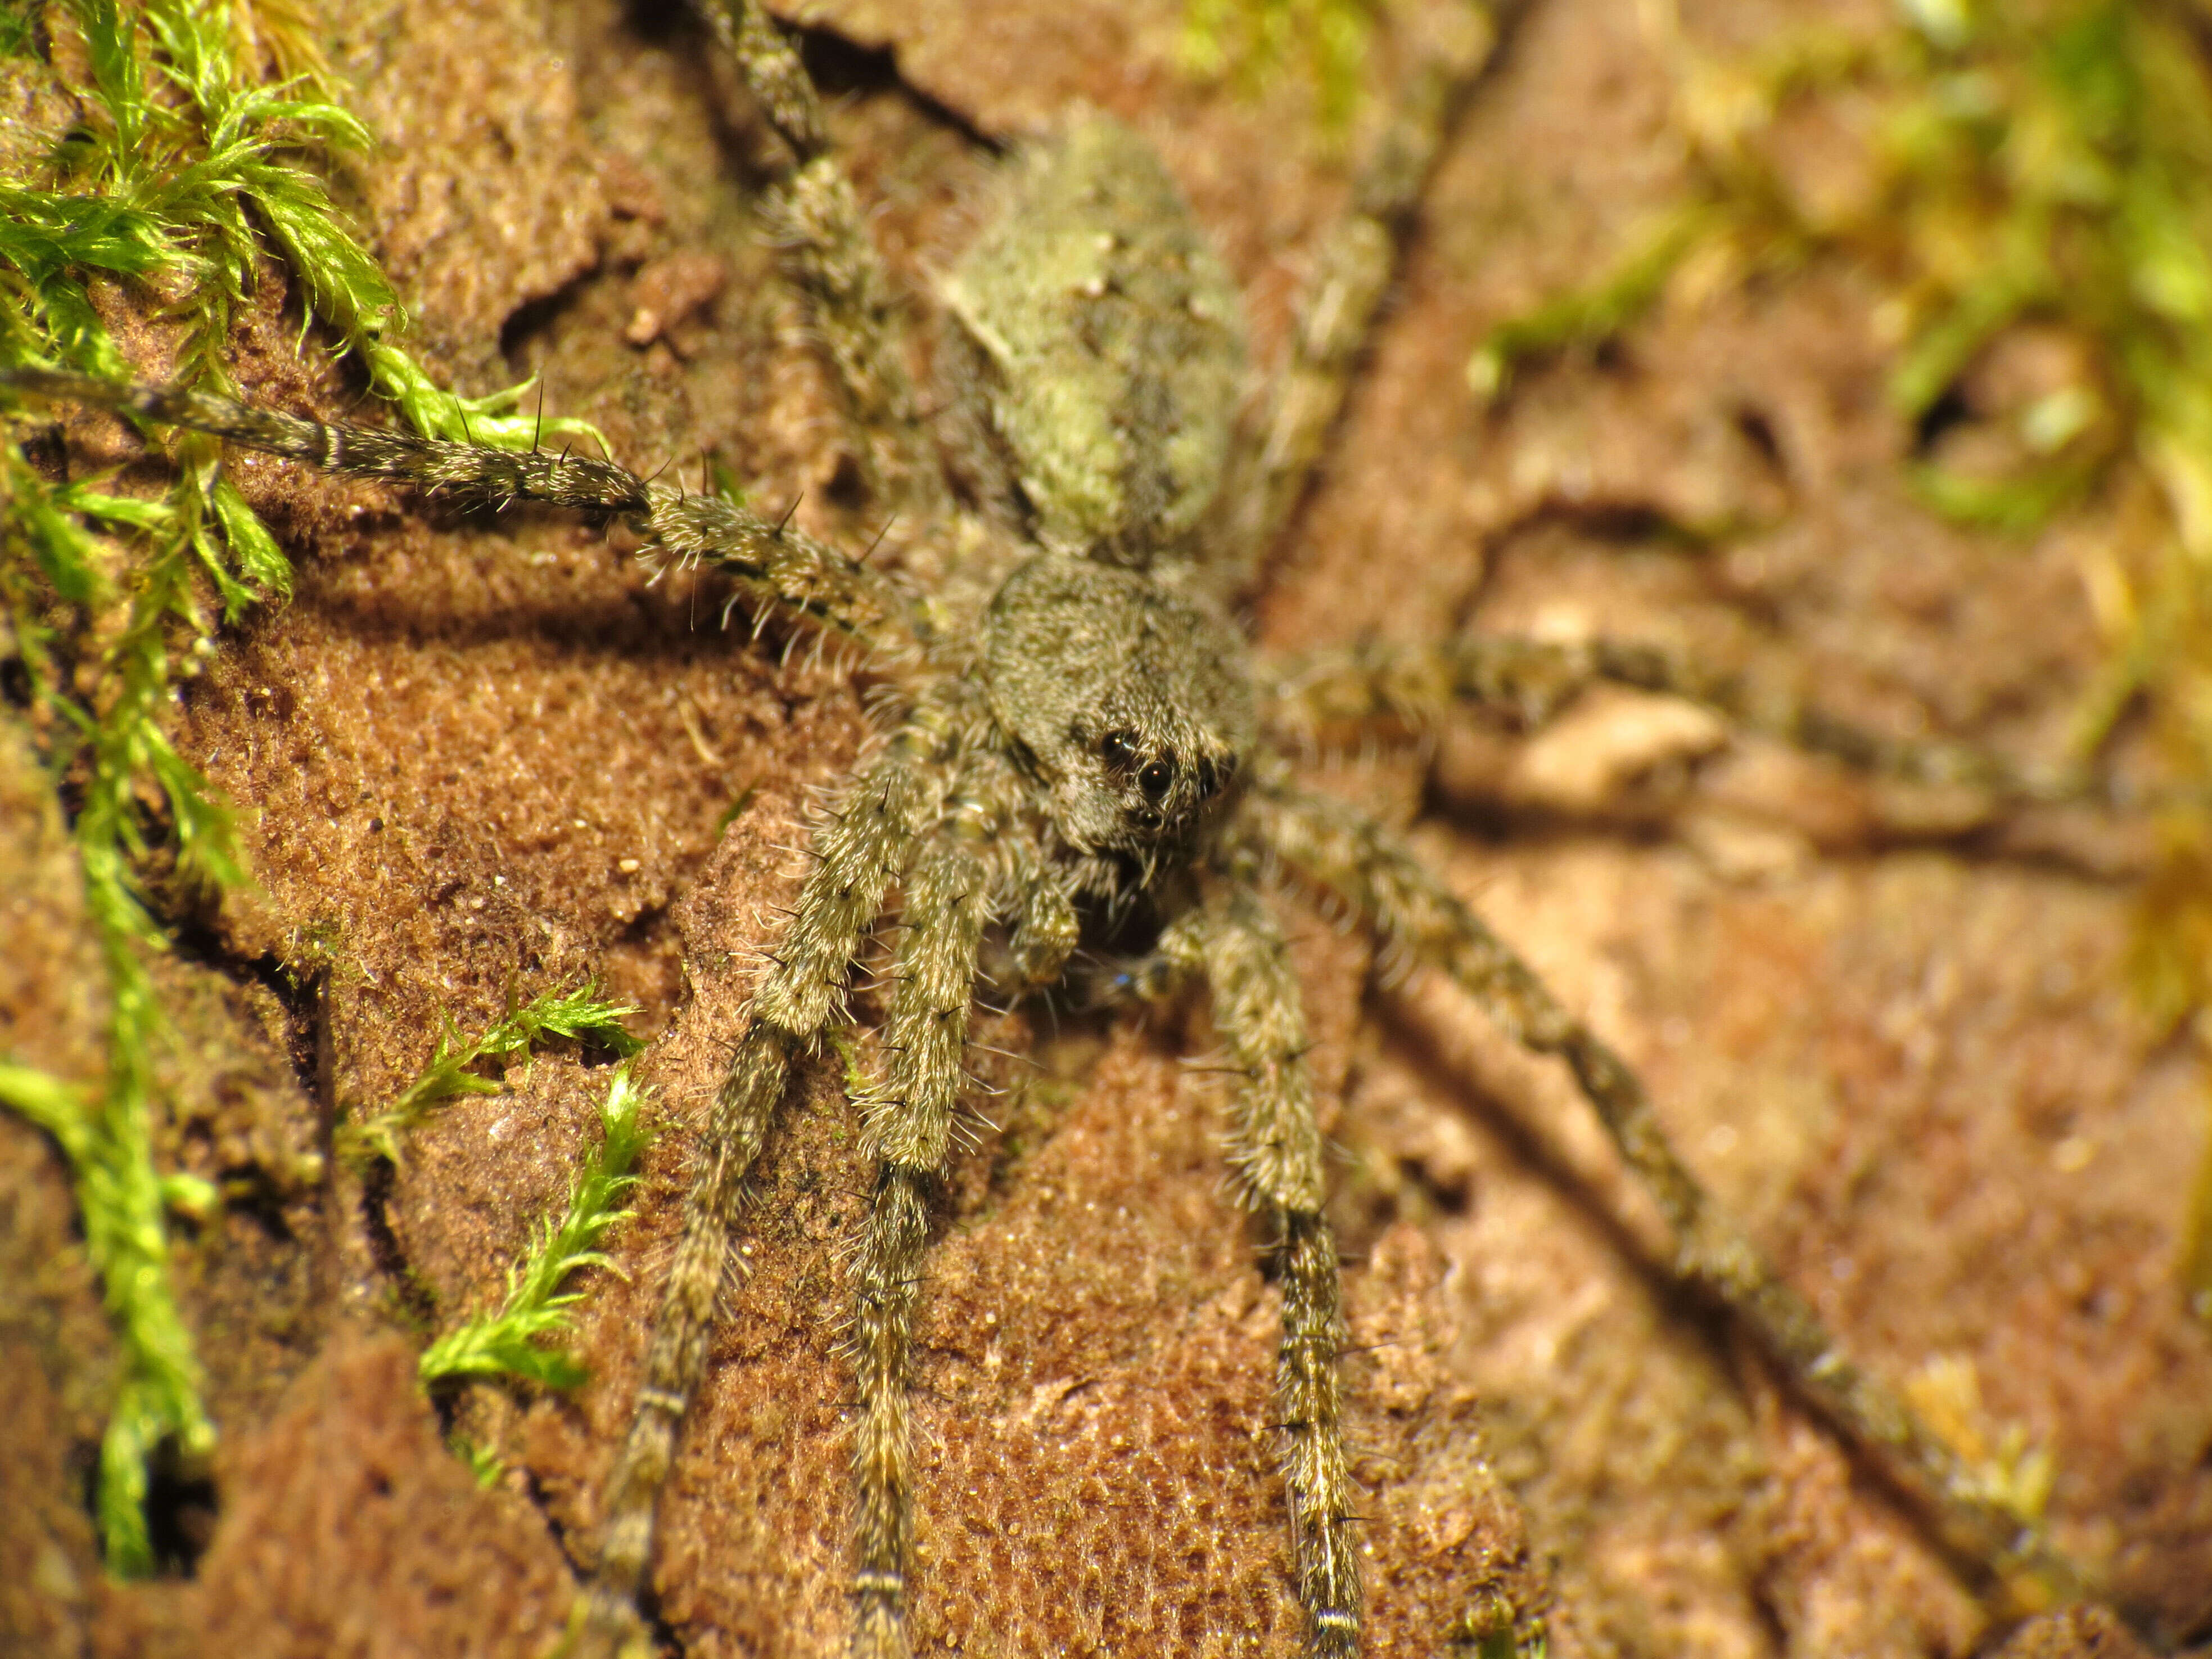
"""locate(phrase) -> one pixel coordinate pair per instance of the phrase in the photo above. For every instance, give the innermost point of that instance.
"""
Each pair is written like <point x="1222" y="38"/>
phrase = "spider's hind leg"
<point x="1343" y="852"/>
<point x="1531" y="680"/>
<point x="1350" y="279"/>
<point x="852" y="302"/>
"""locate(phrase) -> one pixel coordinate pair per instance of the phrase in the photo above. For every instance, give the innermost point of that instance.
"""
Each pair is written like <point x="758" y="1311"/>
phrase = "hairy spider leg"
<point x="1232" y="942"/>
<point x="1535" y="679"/>
<point x="815" y="218"/>
<point x="1345" y="853"/>
<point x="1352" y="272"/>
<point x="859" y="846"/>
<point x="809" y="580"/>
<point x="953" y="890"/>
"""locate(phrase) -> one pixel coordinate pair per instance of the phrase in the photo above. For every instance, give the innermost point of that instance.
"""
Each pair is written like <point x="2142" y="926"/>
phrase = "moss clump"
<point x="578" y="1015"/>
<point x="170" y="178"/>
<point x="515" y="1344"/>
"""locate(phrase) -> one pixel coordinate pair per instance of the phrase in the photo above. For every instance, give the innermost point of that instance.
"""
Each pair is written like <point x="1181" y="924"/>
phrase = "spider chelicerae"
<point x="1074" y="737"/>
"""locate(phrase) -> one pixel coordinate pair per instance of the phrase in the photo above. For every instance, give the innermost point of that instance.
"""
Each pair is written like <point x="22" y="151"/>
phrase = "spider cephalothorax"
<point x="1081" y="720"/>
<point x="1128" y="704"/>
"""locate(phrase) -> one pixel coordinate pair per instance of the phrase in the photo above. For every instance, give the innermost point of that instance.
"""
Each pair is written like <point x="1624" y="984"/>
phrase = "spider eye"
<point x="1154" y="779"/>
<point x="1118" y="748"/>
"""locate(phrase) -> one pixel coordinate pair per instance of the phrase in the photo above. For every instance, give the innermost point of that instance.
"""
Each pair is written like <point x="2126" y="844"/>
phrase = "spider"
<point x="1075" y="738"/>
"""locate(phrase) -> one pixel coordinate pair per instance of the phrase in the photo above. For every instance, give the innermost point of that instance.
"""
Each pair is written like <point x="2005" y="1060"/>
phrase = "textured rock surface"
<point x="488" y="758"/>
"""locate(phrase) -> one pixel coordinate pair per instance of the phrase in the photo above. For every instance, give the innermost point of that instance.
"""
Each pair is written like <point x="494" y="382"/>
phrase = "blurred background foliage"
<point x="2030" y="183"/>
<point x="1251" y="42"/>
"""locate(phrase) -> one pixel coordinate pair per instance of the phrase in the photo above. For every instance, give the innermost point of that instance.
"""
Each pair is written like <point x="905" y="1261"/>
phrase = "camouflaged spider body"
<point x="1074" y="726"/>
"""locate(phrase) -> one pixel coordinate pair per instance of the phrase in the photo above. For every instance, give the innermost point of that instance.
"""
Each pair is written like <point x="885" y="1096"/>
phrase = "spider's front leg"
<point x="1342" y="851"/>
<point x="861" y="847"/>
<point x="779" y="566"/>
<point x="908" y="1113"/>
<point x="1275" y="1149"/>
<point x="956" y="886"/>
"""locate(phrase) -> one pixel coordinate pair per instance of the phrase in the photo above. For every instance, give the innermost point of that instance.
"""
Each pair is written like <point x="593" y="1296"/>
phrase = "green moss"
<point x="178" y="179"/>
<point x="122" y="1201"/>
<point x="1491" y="1629"/>
<point x="1251" y="42"/>
<point x="516" y="1343"/>
<point x="18" y="32"/>
<point x="2043" y="163"/>
<point x="1586" y="318"/>
<point x="484" y="1462"/>
<point x="578" y="1015"/>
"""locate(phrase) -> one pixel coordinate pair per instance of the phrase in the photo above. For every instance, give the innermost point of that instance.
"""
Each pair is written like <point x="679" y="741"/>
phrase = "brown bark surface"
<point x="484" y="757"/>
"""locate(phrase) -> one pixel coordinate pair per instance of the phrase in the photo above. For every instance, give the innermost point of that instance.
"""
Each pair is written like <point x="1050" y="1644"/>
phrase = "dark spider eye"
<point x="1154" y="779"/>
<point x="1118" y="748"/>
<point x="1208" y="780"/>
